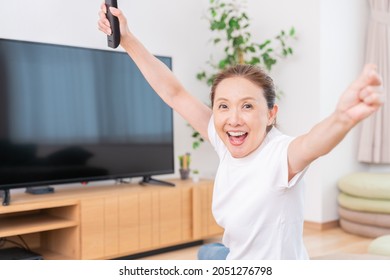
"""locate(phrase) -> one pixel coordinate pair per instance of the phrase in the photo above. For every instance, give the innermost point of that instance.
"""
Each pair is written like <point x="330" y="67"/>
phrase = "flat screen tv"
<point x="71" y="114"/>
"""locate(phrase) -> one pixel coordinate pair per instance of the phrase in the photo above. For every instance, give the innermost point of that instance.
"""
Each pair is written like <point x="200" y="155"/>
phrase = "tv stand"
<point x="6" y="194"/>
<point x="110" y="221"/>
<point x="148" y="180"/>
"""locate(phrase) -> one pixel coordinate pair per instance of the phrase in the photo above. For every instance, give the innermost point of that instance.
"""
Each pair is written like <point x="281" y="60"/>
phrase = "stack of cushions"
<point x="364" y="204"/>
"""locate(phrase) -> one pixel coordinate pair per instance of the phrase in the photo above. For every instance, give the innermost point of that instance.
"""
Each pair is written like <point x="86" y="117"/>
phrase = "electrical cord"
<point x="2" y="242"/>
<point x="24" y="242"/>
<point x="24" y="246"/>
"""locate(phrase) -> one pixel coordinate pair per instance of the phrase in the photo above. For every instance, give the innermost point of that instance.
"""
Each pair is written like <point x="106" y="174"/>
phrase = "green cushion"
<point x="380" y="246"/>
<point x="364" y="204"/>
<point x="369" y="185"/>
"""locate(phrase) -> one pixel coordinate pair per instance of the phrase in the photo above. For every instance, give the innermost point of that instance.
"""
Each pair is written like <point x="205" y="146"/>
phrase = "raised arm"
<point x="159" y="76"/>
<point x="361" y="99"/>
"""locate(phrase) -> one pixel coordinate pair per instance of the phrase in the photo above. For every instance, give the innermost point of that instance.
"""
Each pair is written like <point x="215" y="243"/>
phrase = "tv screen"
<point x="70" y="114"/>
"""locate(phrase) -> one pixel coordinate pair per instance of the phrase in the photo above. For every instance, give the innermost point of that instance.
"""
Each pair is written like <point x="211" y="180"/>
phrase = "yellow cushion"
<point x="364" y="204"/>
<point x="380" y="246"/>
<point x="368" y="185"/>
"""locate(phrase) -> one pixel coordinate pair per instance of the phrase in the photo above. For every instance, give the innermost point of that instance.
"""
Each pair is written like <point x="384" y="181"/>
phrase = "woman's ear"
<point x="272" y="115"/>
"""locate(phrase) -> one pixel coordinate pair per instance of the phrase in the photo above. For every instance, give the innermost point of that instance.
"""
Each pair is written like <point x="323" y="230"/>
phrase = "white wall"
<point x="328" y="55"/>
<point x="343" y="30"/>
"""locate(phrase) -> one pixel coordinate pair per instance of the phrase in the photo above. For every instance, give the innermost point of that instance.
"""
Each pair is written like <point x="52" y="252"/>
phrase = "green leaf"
<point x="222" y="64"/>
<point x="214" y="25"/>
<point x="229" y="32"/>
<point x="201" y="75"/>
<point x="221" y="25"/>
<point x="224" y="17"/>
<point x="263" y="45"/>
<point x="254" y="61"/>
<point x="292" y="31"/>
<point x="268" y="61"/>
<point x="195" y="145"/>
<point x="238" y="41"/>
<point x="195" y="134"/>
<point x="250" y="49"/>
<point x="233" y="23"/>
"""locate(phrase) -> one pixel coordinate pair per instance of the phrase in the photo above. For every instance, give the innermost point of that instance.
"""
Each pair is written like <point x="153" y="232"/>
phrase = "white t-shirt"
<point x="261" y="212"/>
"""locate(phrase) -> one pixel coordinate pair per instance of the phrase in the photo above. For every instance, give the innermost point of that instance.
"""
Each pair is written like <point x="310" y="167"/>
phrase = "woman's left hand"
<point x="363" y="97"/>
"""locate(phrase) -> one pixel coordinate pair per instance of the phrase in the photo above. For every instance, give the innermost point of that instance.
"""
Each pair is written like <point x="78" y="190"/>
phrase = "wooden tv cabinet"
<point x="105" y="222"/>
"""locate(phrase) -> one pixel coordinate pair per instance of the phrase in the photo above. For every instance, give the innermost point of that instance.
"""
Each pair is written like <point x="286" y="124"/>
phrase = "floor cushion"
<point x="364" y="204"/>
<point x="368" y="185"/>
<point x="380" y="246"/>
<point x="366" y="218"/>
<point x="363" y="230"/>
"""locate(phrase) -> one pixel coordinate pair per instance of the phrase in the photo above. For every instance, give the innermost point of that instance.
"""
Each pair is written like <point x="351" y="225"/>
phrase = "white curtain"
<point x="374" y="146"/>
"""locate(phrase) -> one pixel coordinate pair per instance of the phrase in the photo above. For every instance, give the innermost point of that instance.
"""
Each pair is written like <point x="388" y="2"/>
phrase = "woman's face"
<point x="241" y="115"/>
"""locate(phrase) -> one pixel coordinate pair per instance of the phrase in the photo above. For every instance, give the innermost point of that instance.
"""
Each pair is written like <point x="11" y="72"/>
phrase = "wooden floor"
<point x="335" y="243"/>
<point x="321" y="244"/>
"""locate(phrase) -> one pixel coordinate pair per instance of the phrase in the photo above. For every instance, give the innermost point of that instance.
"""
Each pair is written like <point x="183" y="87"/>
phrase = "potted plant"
<point x="185" y="161"/>
<point x="195" y="176"/>
<point x="230" y="26"/>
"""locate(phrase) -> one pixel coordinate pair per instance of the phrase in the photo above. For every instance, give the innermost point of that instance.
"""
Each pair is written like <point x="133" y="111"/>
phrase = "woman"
<point x="258" y="196"/>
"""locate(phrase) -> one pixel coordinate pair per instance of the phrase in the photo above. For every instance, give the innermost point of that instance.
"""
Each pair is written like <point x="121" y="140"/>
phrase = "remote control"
<point x="113" y="40"/>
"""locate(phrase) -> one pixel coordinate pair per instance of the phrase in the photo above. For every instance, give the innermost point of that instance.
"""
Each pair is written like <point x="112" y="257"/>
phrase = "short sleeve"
<point x="278" y="159"/>
<point x="297" y="177"/>
<point x="214" y="139"/>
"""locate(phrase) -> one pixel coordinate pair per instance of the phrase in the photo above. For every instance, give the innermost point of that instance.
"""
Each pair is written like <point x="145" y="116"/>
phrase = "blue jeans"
<point x="213" y="251"/>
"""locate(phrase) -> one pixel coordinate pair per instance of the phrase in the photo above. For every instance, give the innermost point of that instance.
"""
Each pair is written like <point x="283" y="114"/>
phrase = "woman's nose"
<point x="234" y="118"/>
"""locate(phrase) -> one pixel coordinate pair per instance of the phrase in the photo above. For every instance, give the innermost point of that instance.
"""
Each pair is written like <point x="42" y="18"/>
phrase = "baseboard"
<point x="321" y="226"/>
<point x="160" y="251"/>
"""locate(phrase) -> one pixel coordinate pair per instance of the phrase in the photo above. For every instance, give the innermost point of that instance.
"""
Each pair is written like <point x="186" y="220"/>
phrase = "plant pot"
<point x="184" y="173"/>
<point x="195" y="177"/>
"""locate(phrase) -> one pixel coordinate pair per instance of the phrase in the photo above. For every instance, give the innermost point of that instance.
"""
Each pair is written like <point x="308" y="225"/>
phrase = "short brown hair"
<point x="252" y="73"/>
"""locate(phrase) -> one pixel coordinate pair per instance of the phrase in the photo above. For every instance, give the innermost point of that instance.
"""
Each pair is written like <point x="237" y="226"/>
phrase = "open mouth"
<point x="237" y="137"/>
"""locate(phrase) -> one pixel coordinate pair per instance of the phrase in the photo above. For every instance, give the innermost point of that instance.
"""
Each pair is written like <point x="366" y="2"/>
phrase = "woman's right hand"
<point x="104" y="24"/>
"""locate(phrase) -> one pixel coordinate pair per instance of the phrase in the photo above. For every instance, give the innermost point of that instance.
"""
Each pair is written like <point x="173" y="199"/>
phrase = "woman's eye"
<point x="248" y="106"/>
<point x="222" y="106"/>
